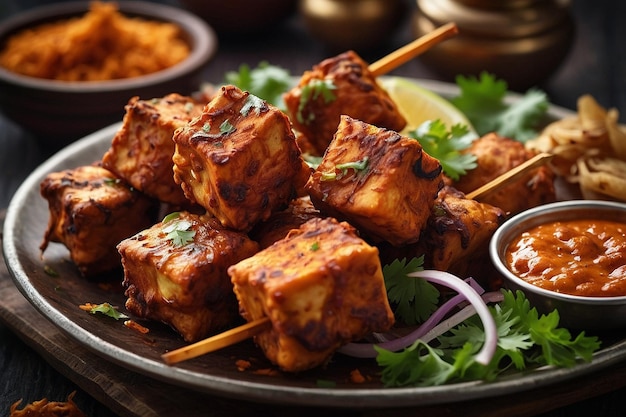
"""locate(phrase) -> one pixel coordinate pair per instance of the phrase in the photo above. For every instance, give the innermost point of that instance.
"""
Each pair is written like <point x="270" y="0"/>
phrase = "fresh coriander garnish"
<point x="104" y="308"/>
<point x="446" y="146"/>
<point x="524" y="337"/>
<point x="414" y="299"/>
<point x="112" y="181"/>
<point x="171" y="216"/>
<point x="357" y="166"/>
<point x="268" y="82"/>
<point x="314" y="89"/>
<point x="315" y="246"/>
<point x="483" y="102"/>
<point x="226" y="128"/>
<point x="179" y="232"/>
<point x="252" y="103"/>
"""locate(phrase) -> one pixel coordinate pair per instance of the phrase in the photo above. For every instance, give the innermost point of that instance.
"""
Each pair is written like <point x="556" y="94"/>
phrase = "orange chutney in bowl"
<point x="585" y="257"/>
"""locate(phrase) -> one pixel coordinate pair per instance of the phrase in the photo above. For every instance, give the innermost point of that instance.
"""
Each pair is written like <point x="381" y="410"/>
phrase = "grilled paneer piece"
<point x="497" y="155"/>
<point x="342" y="85"/>
<point x="321" y="287"/>
<point x="239" y="159"/>
<point x="282" y="222"/>
<point x="377" y="180"/>
<point x="458" y="230"/>
<point x="175" y="272"/>
<point x="141" y="151"/>
<point x="91" y="211"/>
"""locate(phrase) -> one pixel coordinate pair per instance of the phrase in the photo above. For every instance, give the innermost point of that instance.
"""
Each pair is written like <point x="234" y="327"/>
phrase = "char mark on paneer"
<point x="239" y="159"/>
<point x="141" y="151"/>
<point x="342" y="85"/>
<point x="497" y="155"/>
<point x="378" y="180"/>
<point x="91" y="210"/>
<point x="321" y="287"/>
<point x="175" y="272"/>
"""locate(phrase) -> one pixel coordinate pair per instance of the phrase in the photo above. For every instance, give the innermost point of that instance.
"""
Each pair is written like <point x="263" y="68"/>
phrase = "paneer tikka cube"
<point x="175" y="272"/>
<point x="239" y="159"/>
<point x="91" y="211"/>
<point x="142" y="149"/>
<point x="378" y="180"/>
<point x="321" y="287"/>
<point x="340" y="85"/>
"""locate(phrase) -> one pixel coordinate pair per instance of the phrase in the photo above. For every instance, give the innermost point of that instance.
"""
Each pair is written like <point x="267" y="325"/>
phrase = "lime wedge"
<point x="418" y="104"/>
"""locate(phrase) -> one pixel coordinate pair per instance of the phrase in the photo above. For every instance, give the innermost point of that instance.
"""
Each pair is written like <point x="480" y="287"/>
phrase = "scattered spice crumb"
<point x="357" y="377"/>
<point x="45" y="408"/>
<point x="266" y="371"/>
<point x="131" y="324"/>
<point x="242" y="365"/>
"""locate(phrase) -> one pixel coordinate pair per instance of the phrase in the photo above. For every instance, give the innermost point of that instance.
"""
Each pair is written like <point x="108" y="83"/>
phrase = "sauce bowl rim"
<point x="516" y="224"/>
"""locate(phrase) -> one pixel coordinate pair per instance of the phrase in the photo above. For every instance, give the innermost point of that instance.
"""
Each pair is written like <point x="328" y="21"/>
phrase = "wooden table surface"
<point x="32" y="365"/>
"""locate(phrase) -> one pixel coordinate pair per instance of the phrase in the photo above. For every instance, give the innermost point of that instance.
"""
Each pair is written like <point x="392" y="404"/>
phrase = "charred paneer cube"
<point x="91" y="211"/>
<point x="495" y="156"/>
<point x="239" y="159"/>
<point x="175" y="272"/>
<point x="456" y="233"/>
<point x="141" y="151"/>
<point x="378" y="180"/>
<point x="341" y="85"/>
<point x="321" y="287"/>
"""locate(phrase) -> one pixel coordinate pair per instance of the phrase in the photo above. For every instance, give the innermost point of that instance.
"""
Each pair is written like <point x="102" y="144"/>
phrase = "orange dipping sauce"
<point x="580" y="257"/>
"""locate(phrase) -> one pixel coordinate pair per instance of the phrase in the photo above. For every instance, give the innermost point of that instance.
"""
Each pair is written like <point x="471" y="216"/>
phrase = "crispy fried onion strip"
<point x="589" y="149"/>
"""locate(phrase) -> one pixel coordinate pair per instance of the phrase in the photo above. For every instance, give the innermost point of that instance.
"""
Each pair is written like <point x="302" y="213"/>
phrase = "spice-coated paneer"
<point x="321" y="287"/>
<point x="379" y="181"/>
<point x="456" y="234"/>
<point x="91" y="211"/>
<point x="141" y="151"/>
<point x="239" y="159"/>
<point x="496" y="155"/>
<point x="176" y="272"/>
<point x="341" y="85"/>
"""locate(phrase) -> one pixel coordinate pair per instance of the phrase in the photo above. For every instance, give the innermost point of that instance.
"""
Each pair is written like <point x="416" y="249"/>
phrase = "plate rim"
<point x="268" y="393"/>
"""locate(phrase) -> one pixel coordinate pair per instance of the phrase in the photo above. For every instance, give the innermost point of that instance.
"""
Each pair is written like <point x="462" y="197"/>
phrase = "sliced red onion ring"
<point x="430" y="329"/>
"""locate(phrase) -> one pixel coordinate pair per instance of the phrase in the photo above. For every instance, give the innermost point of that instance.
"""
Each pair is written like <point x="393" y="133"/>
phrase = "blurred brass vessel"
<point x="351" y="24"/>
<point x="520" y="41"/>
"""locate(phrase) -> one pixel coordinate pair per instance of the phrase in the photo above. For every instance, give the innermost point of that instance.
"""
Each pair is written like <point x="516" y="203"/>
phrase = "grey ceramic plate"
<point x="58" y="300"/>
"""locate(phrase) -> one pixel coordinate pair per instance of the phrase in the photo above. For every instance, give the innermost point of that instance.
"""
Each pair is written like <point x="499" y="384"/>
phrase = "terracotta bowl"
<point x="575" y="311"/>
<point x="59" y="112"/>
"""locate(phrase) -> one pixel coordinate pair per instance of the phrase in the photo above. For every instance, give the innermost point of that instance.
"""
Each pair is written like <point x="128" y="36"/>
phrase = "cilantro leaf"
<point x="556" y="344"/>
<point x="357" y="166"/>
<point x="312" y="91"/>
<point x="447" y="146"/>
<point x="482" y="100"/>
<point x="108" y="310"/>
<point x="179" y="232"/>
<point x="524" y="337"/>
<point x="414" y="299"/>
<point x="266" y="81"/>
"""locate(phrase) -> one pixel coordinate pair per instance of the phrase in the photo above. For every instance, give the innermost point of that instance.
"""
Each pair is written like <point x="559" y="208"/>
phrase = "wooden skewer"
<point x="219" y="341"/>
<point x="534" y="162"/>
<point x="248" y="330"/>
<point x="413" y="49"/>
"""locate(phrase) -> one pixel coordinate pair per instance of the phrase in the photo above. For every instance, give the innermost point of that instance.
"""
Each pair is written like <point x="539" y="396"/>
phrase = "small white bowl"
<point x="576" y="312"/>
